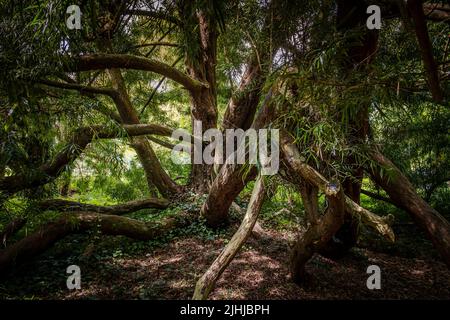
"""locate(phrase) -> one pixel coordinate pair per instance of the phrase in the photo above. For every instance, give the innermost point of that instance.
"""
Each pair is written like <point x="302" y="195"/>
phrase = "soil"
<point x="259" y="271"/>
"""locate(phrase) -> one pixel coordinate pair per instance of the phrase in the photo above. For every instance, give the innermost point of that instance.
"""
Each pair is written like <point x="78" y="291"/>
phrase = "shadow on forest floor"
<point x="259" y="271"/>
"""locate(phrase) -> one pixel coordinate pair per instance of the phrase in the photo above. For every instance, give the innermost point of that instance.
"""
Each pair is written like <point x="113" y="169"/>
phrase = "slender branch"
<point x="78" y="87"/>
<point x="376" y="196"/>
<point x="206" y="283"/>
<point x="156" y="89"/>
<point x="161" y="142"/>
<point x="154" y="14"/>
<point x="89" y="90"/>
<point x="158" y="43"/>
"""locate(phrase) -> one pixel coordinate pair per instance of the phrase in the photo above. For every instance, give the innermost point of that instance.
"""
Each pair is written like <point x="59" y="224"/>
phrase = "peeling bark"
<point x="202" y="66"/>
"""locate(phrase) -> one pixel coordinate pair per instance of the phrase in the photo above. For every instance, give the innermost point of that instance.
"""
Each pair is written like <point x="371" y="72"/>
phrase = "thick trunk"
<point x="202" y="67"/>
<point x="77" y="222"/>
<point x="351" y="16"/>
<point x="225" y="188"/>
<point x="403" y="194"/>
<point x="230" y="180"/>
<point x="206" y="283"/>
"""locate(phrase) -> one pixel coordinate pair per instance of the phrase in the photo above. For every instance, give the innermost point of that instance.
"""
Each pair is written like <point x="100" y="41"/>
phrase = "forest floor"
<point x="118" y="268"/>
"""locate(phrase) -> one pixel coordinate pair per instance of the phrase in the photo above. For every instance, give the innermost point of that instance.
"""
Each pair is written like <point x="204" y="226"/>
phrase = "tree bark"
<point x="78" y="222"/>
<point x="300" y="171"/>
<point x="403" y="194"/>
<point x="309" y="194"/>
<point x="201" y="65"/>
<point x="318" y="235"/>
<point x="242" y="106"/>
<point x="230" y="180"/>
<point x="78" y="142"/>
<point x="103" y="61"/>
<point x="361" y="49"/>
<point x="206" y="283"/>
<point x="118" y="209"/>
<point x="420" y="27"/>
<point x="11" y="229"/>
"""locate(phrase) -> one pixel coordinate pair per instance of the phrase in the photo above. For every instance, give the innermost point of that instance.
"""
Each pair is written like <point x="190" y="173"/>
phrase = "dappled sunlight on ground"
<point x="259" y="271"/>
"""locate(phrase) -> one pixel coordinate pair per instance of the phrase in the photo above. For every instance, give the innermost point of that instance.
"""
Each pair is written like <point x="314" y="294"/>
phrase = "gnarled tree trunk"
<point x="318" y="235"/>
<point x="403" y="194"/>
<point x="230" y="180"/>
<point x="361" y="50"/>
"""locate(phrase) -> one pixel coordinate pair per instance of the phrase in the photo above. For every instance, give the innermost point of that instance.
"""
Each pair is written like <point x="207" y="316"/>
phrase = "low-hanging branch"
<point x="99" y="61"/>
<point x="78" y="142"/>
<point x="79" y="87"/>
<point x="89" y="91"/>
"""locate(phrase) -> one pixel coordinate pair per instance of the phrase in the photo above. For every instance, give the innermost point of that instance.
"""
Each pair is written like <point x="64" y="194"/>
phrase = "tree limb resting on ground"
<point x="118" y="209"/>
<point x="206" y="283"/>
<point x="78" y="222"/>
